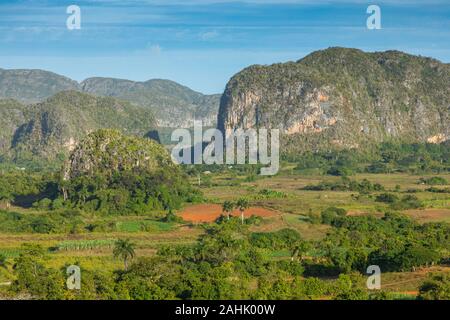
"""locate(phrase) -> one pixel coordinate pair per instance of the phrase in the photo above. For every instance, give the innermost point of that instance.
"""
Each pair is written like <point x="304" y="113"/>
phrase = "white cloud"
<point x="209" y="35"/>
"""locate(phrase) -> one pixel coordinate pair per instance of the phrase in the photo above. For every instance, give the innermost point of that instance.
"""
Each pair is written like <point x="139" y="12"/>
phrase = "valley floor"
<point x="285" y="205"/>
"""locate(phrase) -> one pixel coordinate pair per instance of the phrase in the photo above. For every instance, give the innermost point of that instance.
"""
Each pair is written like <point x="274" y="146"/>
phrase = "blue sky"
<point x="202" y="43"/>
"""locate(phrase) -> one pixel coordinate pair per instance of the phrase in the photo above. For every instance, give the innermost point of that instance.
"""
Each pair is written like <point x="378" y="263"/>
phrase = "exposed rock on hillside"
<point x="342" y="98"/>
<point x="12" y="115"/>
<point x="107" y="151"/>
<point x="174" y="105"/>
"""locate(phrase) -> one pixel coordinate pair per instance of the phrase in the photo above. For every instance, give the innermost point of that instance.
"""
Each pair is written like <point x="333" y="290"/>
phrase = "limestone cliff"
<point x="342" y="98"/>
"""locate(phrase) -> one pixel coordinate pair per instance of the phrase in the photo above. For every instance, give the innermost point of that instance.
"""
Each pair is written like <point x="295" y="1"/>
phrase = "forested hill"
<point x="31" y="86"/>
<point x="343" y="98"/>
<point x="174" y="105"/>
<point x="48" y="131"/>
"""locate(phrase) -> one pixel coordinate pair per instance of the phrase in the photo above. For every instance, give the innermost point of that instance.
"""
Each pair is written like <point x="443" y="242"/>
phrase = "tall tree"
<point x="242" y="204"/>
<point x="124" y="249"/>
<point x="227" y="208"/>
<point x="298" y="249"/>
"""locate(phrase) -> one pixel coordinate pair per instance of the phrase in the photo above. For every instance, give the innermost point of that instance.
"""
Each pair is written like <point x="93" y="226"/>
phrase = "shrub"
<point x="436" y="287"/>
<point x="434" y="181"/>
<point x="407" y="202"/>
<point x="43" y="204"/>
<point x="330" y="214"/>
<point x="386" y="198"/>
<point x="172" y="217"/>
<point x="57" y="204"/>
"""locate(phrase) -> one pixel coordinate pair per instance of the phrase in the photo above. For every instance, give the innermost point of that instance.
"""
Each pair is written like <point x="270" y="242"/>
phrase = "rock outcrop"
<point x="342" y="98"/>
<point x="108" y="151"/>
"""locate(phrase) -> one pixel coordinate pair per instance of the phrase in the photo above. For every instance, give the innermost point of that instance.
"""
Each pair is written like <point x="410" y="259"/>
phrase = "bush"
<point x="438" y="190"/>
<point x="386" y="198"/>
<point x="345" y="184"/>
<point x="407" y="202"/>
<point x="43" y="204"/>
<point x="314" y="218"/>
<point x="42" y="225"/>
<point x="172" y="217"/>
<point x="436" y="287"/>
<point x="57" y="204"/>
<point x="434" y="181"/>
<point x="330" y="214"/>
<point x="340" y="171"/>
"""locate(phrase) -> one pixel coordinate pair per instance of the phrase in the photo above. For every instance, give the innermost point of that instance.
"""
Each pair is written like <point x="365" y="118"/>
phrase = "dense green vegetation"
<point x="364" y="186"/>
<point x="231" y="262"/>
<point x="395" y="243"/>
<point x="436" y="287"/>
<point x="107" y="173"/>
<point x="384" y="158"/>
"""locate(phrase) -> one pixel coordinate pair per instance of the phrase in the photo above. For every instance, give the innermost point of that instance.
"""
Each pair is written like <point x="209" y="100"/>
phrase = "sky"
<point x="202" y="43"/>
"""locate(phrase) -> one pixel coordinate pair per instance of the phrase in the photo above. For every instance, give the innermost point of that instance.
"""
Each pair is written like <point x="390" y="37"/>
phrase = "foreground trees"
<point x="227" y="208"/>
<point x="436" y="287"/>
<point x="124" y="249"/>
<point x="230" y="262"/>
<point x="242" y="204"/>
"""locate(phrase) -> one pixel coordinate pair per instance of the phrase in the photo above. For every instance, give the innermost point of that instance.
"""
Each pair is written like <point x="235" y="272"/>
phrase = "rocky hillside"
<point x="13" y="114"/>
<point x="342" y="98"/>
<point x="49" y="130"/>
<point x="30" y="86"/>
<point x="108" y="151"/>
<point x="173" y="104"/>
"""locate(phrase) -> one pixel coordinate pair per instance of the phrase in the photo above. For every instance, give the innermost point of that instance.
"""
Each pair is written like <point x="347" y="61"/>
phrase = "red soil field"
<point x="210" y="212"/>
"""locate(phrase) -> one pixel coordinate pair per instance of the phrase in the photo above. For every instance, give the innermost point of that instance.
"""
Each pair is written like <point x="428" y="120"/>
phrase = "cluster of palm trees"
<point x="124" y="249"/>
<point x="228" y="206"/>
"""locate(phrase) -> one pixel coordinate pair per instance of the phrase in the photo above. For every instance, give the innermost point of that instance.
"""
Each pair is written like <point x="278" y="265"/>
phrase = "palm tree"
<point x="124" y="249"/>
<point x="3" y="261"/>
<point x="228" y="207"/>
<point x="242" y="204"/>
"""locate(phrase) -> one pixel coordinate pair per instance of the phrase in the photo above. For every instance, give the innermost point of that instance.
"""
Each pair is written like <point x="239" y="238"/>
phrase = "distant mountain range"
<point x="336" y="98"/>
<point x="174" y="105"/>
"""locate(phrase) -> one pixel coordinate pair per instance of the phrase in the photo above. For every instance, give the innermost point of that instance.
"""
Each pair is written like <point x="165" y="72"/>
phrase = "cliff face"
<point x="342" y="98"/>
<point x="12" y="115"/>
